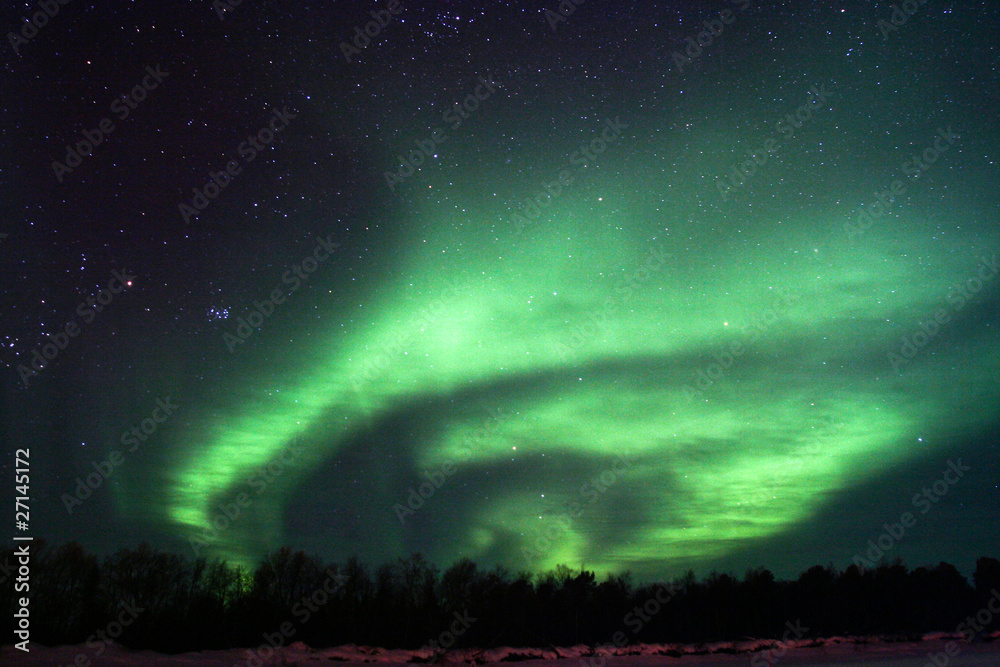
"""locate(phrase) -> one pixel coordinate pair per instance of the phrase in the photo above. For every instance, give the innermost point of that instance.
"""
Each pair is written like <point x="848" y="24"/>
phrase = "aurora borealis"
<point x="616" y="312"/>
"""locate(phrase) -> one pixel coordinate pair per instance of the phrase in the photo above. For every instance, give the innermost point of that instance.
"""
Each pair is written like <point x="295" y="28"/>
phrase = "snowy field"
<point x="843" y="652"/>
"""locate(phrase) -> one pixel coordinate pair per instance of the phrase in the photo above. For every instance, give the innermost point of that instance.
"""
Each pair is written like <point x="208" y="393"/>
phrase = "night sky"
<point x="648" y="286"/>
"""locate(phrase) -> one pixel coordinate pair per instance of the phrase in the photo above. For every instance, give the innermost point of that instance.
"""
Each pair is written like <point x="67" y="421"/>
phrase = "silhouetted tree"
<point x="66" y="602"/>
<point x="815" y="598"/>
<point x="764" y="604"/>
<point x="987" y="576"/>
<point x="153" y="583"/>
<point x="197" y="604"/>
<point x="458" y="584"/>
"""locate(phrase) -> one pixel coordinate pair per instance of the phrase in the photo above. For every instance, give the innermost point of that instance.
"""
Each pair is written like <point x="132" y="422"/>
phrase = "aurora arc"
<point x="581" y="353"/>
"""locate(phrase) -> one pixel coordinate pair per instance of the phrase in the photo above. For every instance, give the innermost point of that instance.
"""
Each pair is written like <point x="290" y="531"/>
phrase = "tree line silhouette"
<point x="194" y="604"/>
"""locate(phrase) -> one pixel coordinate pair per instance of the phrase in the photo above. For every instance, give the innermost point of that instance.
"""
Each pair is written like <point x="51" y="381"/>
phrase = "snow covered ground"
<point x="839" y="651"/>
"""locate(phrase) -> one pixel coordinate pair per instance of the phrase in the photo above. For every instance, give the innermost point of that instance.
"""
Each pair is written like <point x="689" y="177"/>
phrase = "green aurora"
<point x="562" y="343"/>
<point x="755" y="311"/>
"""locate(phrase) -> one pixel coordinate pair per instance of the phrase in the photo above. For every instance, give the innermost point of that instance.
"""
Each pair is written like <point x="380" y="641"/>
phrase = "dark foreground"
<point x="935" y="651"/>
